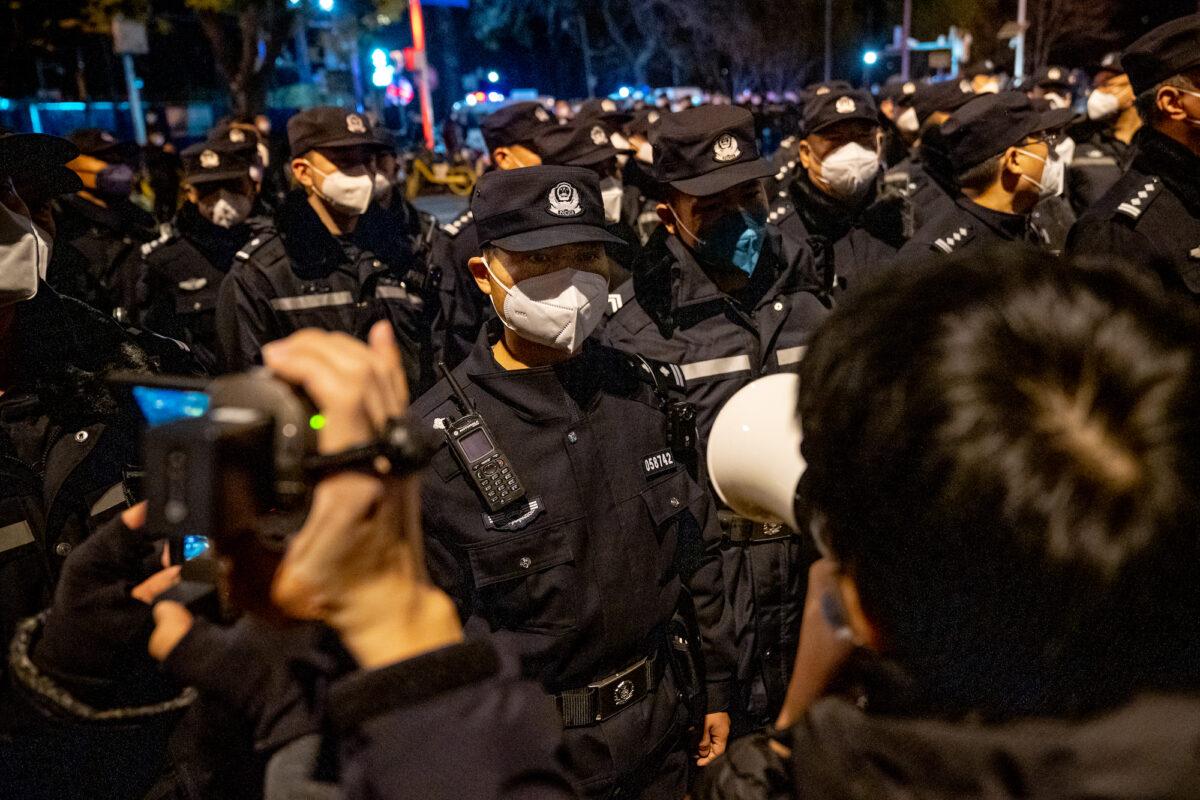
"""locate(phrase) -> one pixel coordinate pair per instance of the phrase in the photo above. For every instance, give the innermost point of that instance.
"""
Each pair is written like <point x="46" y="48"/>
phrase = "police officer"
<point x="509" y="134"/>
<point x="638" y="182"/>
<point x="574" y="533"/>
<point x="100" y="232"/>
<point x="1105" y="153"/>
<point x="587" y="144"/>
<point x="307" y="270"/>
<point x="1004" y="158"/>
<point x="837" y="195"/>
<point x="1151" y="216"/>
<point x="1055" y="85"/>
<point x="182" y="270"/>
<point x="390" y="196"/>
<point x="729" y="298"/>
<point x="785" y="159"/>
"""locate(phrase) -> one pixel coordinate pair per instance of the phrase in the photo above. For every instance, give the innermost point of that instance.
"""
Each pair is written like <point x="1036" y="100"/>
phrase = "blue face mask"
<point x="736" y="238"/>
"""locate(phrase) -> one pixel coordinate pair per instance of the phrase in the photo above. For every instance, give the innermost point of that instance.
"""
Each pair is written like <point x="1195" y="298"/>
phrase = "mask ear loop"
<point x="492" y="297"/>
<point x="679" y="222"/>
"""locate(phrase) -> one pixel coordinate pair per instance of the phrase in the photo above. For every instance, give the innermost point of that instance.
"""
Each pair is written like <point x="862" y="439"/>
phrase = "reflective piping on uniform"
<point x="790" y="355"/>
<point x="15" y="535"/>
<point x="113" y="496"/>
<point x="307" y="301"/>
<point x="715" y="366"/>
<point x="391" y="292"/>
<point x="1094" y="161"/>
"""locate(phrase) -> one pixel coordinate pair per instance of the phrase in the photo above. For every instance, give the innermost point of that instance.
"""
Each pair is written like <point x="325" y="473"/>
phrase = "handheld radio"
<point x="477" y="453"/>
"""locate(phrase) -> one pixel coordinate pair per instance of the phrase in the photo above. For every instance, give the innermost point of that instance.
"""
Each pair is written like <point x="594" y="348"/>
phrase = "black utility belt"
<point x="604" y="698"/>
<point x="740" y="530"/>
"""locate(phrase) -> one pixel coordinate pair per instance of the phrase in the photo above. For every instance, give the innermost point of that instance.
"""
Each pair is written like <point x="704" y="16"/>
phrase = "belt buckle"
<point x="618" y="691"/>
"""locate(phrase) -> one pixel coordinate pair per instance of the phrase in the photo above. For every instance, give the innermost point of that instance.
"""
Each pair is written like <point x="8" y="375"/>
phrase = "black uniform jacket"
<point x="860" y="238"/>
<point x="1099" y="162"/>
<point x="297" y="275"/>
<point x="180" y="278"/>
<point x="462" y="308"/>
<point x="958" y="225"/>
<point x="721" y="343"/>
<point x="1151" y="217"/>
<point x="585" y="580"/>
<point x="96" y="252"/>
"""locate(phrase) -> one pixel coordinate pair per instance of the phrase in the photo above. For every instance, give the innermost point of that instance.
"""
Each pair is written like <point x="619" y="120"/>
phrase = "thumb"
<point x="171" y="623"/>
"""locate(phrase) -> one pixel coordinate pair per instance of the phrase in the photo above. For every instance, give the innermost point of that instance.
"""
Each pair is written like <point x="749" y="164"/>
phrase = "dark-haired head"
<point x="1005" y="455"/>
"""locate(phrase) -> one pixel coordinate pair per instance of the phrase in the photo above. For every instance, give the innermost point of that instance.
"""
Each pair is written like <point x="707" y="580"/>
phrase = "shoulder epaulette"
<point x="167" y="233"/>
<point x="1140" y="200"/>
<point x="455" y="227"/>
<point x="664" y="377"/>
<point x="783" y="209"/>
<point x="251" y="247"/>
<point x="952" y="241"/>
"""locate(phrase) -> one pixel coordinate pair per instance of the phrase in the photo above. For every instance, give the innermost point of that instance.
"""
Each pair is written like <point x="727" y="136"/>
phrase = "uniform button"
<point x="81" y="436"/>
<point x="778" y="305"/>
<point x="63" y="549"/>
<point x="674" y="502"/>
<point x="196" y="306"/>
<point x="572" y="437"/>
<point x="526" y="562"/>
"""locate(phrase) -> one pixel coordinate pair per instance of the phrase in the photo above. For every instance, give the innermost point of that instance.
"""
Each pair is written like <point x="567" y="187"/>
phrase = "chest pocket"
<point x="660" y="507"/>
<point x="196" y="295"/>
<point x="529" y="582"/>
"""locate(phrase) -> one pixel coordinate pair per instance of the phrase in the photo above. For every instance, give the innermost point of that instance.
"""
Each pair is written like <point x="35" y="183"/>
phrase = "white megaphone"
<point x="754" y="459"/>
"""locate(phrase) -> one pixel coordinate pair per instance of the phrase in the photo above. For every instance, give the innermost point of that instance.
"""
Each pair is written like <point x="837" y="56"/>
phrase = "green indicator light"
<point x="316" y="422"/>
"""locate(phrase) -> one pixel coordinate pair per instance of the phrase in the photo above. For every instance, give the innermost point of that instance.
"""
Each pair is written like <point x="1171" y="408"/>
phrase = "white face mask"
<point x="24" y="256"/>
<point x="908" y="122"/>
<point x="1056" y="101"/>
<point x="611" y="192"/>
<point x="1053" y="172"/>
<point x="225" y="209"/>
<point x="349" y="194"/>
<point x="1066" y="151"/>
<point x="850" y="170"/>
<point x="645" y="153"/>
<point x="559" y="309"/>
<point x="1102" y="105"/>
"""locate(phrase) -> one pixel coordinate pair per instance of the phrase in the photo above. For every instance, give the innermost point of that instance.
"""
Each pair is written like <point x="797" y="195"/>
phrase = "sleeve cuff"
<point x="719" y="696"/>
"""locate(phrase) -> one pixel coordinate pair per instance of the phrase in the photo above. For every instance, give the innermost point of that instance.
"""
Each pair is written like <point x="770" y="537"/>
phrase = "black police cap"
<point x="1163" y="53"/>
<point x="101" y="144"/>
<point x="1110" y="63"/>
<point x="945" y="96"/>
<point x="538" y="207"/>
<point x="1053" y="78"/>
<point x="642" y="122"/>
<point x="387" y="139"/>
<point x="21" y="153"/>
<point x="576" y="144"/>
<point x="991" y="123"/>
<point x="705" y="150"/>
<point x="836" y="106"/>
<point x="824" y="87"/>
<point x="605" y="110"/>
<point x="896" y="89"/>
<point x="516" y="123"/>
<point x="218" y="160"/>
<point x="328" y="126"/>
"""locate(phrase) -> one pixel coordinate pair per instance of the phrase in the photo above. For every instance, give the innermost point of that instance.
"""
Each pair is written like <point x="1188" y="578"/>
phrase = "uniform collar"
<point x="1014" y="227"/>
<point x="824" y="215"/>
<point x="312" y="249"/>
<point x="218" y="245"/>
<point x="538" y="393"/>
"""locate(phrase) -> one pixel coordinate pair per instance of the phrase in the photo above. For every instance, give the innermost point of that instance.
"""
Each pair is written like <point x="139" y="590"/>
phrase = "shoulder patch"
<point x="455" y="227"/>
<point x="951" y="241"/>
<point x="782" y="211"/>
<point x="1136" y="203"/>
<point x="251" y="247"/>
<point x="167" y="233"/>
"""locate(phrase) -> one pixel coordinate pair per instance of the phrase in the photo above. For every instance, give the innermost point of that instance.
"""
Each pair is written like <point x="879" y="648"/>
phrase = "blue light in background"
<point x="870" y="57"/>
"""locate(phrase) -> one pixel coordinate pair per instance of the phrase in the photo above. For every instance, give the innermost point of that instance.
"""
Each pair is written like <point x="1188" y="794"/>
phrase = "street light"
<point x="493" y="76"/>
<point x="325" y="5"/>
<point x="870" y="58"/>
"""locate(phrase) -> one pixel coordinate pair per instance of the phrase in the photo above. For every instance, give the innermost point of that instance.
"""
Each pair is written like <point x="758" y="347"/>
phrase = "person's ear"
<point x="1170" y="103"/>
<point x="666" y="216"/>
<point x="866" y="634"/>
<point x="480" y="274"/>
<point x="193" y="196"/>
<point x="805" y="153"/>
<point x="303" y="173"/>
<point x="502" y="158"/>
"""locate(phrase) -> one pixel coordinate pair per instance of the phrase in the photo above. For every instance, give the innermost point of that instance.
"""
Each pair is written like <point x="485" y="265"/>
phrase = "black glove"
<point x="94" y="639"/>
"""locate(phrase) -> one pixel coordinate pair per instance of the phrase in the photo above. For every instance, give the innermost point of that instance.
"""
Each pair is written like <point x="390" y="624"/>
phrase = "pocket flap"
<point x="669" y="496"/>
<point x="519" y="556"/>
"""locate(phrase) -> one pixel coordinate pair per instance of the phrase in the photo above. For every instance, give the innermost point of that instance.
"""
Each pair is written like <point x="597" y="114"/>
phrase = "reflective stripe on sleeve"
<point x="715" y="366"/>
<point x="307" y="301"/>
